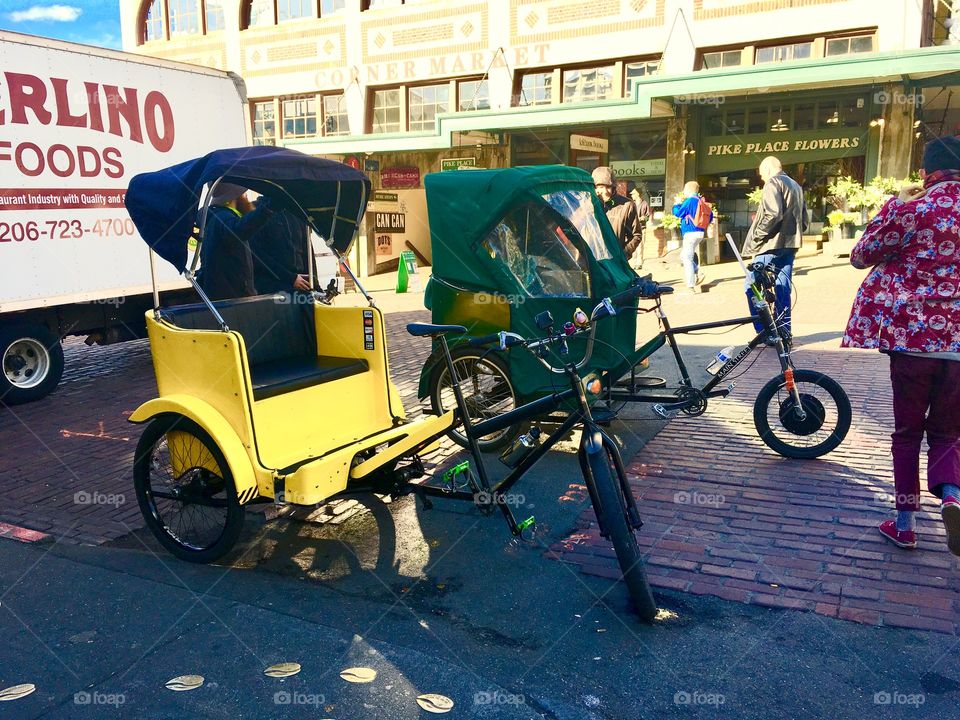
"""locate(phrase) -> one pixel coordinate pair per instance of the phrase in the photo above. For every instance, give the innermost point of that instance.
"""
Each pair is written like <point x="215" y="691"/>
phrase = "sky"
<point x="94" y="22"/>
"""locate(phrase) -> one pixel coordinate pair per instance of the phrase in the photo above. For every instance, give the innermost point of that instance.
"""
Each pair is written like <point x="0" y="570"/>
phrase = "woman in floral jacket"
<point x="909" y="307"/>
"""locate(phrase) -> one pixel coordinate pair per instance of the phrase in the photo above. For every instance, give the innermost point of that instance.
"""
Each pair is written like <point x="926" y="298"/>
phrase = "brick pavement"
<point x="66" y="461"/>
<point x="726" y="516"/>
<point x="787" y="533"/>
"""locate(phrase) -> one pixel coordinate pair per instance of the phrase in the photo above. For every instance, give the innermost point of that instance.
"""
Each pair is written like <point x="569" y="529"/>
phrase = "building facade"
<point x="661" y="90"/>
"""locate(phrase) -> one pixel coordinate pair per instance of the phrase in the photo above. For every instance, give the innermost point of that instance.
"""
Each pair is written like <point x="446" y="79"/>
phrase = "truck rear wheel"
<point x="31" y="359"/>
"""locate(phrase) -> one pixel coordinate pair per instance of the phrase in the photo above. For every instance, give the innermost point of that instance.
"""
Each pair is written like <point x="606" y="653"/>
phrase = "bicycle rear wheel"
<point x="612" y="516"/>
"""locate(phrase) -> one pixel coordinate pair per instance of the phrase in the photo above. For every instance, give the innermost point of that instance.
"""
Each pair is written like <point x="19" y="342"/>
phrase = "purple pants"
<point x="926" y="399"/>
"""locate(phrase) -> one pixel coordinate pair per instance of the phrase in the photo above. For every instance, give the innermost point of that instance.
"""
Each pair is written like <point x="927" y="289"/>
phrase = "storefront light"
<point x="689" y="149"/>
<point x="878" y="122"/>
<point x="834" y="119"/>
<point x="779" y="126"/>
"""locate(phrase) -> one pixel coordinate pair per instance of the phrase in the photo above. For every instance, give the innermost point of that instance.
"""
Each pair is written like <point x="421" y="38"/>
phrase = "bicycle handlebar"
<point x="642" y="288"/>
<point x="503" y="340"/>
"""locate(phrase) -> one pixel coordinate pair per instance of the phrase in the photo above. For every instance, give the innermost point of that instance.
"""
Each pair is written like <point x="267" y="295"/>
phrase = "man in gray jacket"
<point x="776" y="234"/>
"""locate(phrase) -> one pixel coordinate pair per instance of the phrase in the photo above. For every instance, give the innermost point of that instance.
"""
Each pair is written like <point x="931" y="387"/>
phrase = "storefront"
<point x="817" y="137"/>
<point x="636" y="152"/>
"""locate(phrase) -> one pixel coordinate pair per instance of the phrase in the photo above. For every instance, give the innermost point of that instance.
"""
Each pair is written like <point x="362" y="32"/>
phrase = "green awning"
<point x="921" y="66"/>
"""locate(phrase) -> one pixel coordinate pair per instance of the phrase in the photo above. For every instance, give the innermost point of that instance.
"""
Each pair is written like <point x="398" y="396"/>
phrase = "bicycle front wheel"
<point x="814" y="427"/>
<point x="612" y="516"/>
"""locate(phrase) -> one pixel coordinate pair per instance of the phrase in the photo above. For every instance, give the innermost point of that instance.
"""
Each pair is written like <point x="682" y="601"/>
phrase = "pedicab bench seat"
<point x="280" y="338"/>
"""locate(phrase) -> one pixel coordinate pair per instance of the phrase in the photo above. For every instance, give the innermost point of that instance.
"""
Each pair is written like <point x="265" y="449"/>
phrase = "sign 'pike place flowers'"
<point x="731" y="152"/>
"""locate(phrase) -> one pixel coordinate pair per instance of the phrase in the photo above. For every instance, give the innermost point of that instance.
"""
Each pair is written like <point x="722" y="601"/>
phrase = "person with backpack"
<point x="775" y="236"/>
<point x="695" y="216"/>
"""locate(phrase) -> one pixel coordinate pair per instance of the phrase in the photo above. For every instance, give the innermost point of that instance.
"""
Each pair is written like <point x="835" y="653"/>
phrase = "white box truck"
<point x="76" y="123"/>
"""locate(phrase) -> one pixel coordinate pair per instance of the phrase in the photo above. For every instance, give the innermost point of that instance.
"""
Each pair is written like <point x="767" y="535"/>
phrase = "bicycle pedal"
<point x="662" y="411"/>
<point x="528" y="529"/>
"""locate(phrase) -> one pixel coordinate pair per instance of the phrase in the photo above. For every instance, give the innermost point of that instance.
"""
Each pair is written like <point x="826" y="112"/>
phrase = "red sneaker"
<point x="903" y="538"/>
<point x="950" y="512"/>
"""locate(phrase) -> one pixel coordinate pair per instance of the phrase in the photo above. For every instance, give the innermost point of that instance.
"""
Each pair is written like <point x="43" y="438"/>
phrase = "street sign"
<point x="380" y="196"/>
<point x="384" y="245"/>
<point x="457" y="163"/>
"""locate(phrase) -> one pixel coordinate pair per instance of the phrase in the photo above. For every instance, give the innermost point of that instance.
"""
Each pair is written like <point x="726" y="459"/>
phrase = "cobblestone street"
<point x="724" y="515"/>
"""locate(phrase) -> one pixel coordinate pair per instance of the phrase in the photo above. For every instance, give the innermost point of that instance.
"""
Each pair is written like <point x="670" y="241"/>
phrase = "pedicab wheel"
<point x="612" y="515"/>
<point x="487" y="391"/>
<point x="185" y="490"/>
<point x="819" y="428"/>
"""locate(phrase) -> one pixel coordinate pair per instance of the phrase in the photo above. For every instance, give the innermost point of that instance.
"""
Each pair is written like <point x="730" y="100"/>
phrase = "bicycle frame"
<point x="668" y="335"/>
<point x="495" y="493"/>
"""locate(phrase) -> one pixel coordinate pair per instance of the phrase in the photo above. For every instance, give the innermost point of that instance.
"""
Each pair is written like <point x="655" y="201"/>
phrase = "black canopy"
<point x="163" y="204"/>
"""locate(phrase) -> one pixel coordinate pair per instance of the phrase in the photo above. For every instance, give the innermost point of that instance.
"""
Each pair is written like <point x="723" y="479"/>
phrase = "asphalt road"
<point x="438" y="601"/>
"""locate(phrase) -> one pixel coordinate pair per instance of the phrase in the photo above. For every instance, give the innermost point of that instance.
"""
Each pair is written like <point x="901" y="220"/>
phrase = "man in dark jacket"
<point x="621" y="212"/>
<point x="226" y="266"/>
<point x="281" y="251"/>
<point x="777" y="233"/>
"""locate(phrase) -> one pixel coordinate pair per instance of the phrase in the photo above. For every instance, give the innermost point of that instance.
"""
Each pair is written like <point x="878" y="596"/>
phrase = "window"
<point x="423" y="105"/>
<point x="153" y="22"/>
<point x="329" y="7"/>
<point x="293" y="9"/>
<point x="473" y="95"/>
<point x="784" y="53"/>
<point x="386" y="110"/>
<point x="587" y="84"/>
<point x="376" y="4"/>
<point x="804" y="116"/>
<point x="758" y="120"/>
<point x="214" y="14"/>
<point x="632" y="72"/>
<point x="335" y="121"/>
<point x="849" y="45"/>
<point x="725" y="58"/>
<point x="300" y="117"/>
<point x="260" y="12"/>
<point x="264" y="123"/>
<point x="536" y="89"/>
<point x="542" y="250"/>
<point x="184" y="17"/>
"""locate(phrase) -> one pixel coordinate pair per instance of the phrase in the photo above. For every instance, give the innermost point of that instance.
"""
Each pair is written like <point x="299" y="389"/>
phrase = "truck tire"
<point x="31" y="363"/>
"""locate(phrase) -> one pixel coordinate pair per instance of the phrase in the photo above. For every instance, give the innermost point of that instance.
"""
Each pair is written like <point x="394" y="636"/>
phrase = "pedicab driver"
<point x="226" y="265"/>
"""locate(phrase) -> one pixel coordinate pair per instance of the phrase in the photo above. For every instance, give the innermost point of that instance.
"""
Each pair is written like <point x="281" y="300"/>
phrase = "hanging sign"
<point x="589" y="143"/>
<point x="457" y="163"/>
<point x="390" y="222"/>
<point x="407" y="176"/>
<point x="380" y="196"/>
<point x="639" y="168"/>
<point x="385" y="245"/>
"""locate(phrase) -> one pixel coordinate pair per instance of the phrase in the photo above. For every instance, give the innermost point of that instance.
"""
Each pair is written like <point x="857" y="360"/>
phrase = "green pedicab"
<point x="509" y="245"/>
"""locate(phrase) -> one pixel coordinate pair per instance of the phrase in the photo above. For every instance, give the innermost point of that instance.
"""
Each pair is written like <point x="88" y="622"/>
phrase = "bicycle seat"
<point x="424" y="329"/>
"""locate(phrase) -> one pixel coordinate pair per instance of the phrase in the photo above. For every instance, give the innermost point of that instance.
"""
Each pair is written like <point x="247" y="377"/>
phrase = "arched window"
<point x="256" y="13"/>
<point x="153" y="22"/>
<point x="213" y="15"/>
<point x="164" y="19"/>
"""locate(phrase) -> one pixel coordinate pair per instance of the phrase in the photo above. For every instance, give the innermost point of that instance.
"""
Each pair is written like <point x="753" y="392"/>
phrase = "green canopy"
<point x="464" y="205"/>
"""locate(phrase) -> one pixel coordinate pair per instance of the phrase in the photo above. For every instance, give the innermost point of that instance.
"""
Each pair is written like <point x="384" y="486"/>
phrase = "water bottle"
<point x="521" y="448"/>
<point x="721" y="359"/>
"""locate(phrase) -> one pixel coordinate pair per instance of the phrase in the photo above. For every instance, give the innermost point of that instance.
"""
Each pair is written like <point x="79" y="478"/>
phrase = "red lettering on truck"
<point x="56" y="101"/>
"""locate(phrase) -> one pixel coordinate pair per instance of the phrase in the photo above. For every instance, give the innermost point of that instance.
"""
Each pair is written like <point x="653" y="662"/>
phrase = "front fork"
<point x="783" y="353"/>
<point x="593" y="440"/>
